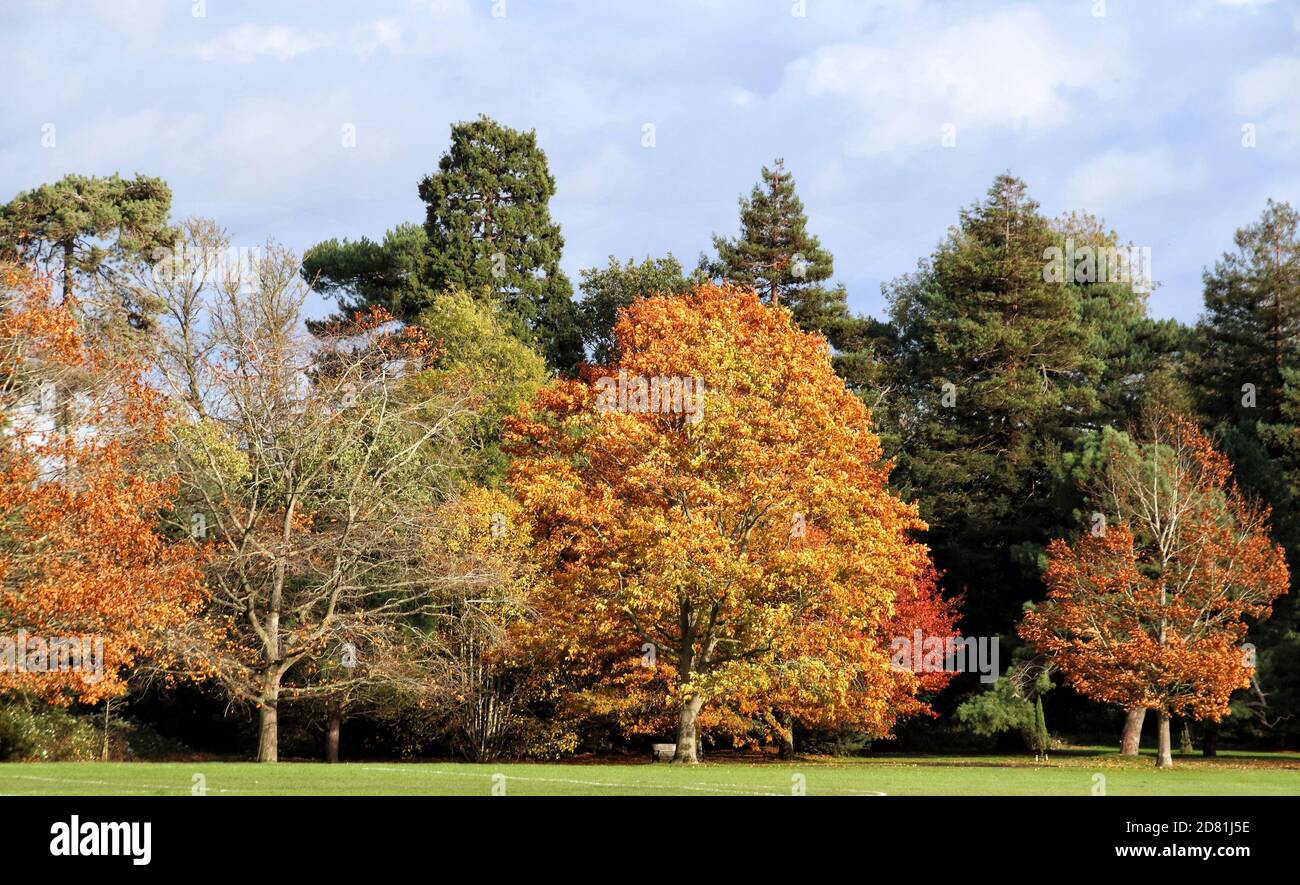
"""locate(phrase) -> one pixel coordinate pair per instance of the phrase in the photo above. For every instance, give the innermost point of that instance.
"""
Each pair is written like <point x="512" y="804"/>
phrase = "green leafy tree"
<point x="473" y="342"/>
<point x="993" y="369"/>
<point x="362" y="274"/>
<point x="607" y="290"/>
<point x="1245" y="368"/>
<point x="1140" y="357"/>
<point x="1252" y="319"/>
<point x="489" y="228"/>
<point x="777" y="256"/>
<point x="84" y="229"/>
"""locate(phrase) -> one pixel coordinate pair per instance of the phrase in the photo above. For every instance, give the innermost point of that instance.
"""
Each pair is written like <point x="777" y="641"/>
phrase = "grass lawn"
<point x="1068" y="773"/>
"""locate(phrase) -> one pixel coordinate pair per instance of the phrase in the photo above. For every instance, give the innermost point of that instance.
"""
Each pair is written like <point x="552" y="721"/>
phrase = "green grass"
<point x="1069" y="773"/>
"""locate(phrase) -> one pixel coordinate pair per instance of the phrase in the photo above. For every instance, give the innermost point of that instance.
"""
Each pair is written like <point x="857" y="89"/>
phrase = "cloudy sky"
<point x="1136" y="110"/>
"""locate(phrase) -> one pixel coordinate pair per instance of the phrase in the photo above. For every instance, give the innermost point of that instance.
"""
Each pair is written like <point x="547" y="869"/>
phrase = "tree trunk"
<point x="1185" y="738"/>
<point x="786" y="733"/>
<point x="1210" y="742"/>
<point x="1131" y="737"/>
<point x="67" y="272"/>
<point x="108" y="704"/>
<point x="1164" y="754"/>
<point x="686" y="749"/>
<point x="332" y="729"/>
<point x="268" y="738"/>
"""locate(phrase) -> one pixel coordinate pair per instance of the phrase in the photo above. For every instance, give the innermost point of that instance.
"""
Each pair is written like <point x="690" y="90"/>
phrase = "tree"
<point x="1252" y="320"/>
<point x="1150" y="609"/>
<point x="362" y="274"/>
<point x="89" y="586"/>
<point x="607" y="290"/>
<point x="1243" y="366"/>
<point x="994" y="372"/>
<point x="1140" y="358"/>
<point x="805" y="691"/>
<point x="784" y="264"/>
<point x="475" y="350"/>
<point x="310" y="476"/>
<point x="714" y="507"/>
<point x="481" y="578"/>
<point x="85" y="229"/>
<point x="775" y="255"/>
<point x="489" y="227"/>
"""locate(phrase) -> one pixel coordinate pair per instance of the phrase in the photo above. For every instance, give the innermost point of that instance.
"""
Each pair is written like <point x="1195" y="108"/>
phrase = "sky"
<point x="1172" y="121"/>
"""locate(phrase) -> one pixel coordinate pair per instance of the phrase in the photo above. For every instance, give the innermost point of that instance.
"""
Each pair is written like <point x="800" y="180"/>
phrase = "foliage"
<point x="1150" y="611"/>
<point x="80" y="492"/>
<point x="476" y="349"/>
<point x="489" y="227"/>
<point x="745" y="536"/>
<point x="607" y="290"/>
<point x="362" y="274"/>
<point x="86" y="231"/>
<point x="36" y="732"/>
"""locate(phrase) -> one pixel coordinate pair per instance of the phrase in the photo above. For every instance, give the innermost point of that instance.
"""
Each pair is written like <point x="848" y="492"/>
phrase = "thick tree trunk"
<point x="1164" y="753"/>
<point x="332" y="729"/>
<point x="1131" y="737"/>
<point x="268" y="737"/>
<point x="1185" y="738"/>
<point x="1210" y="742"/>
<point x="786" y="733"/>
<point x="686" y="746"/>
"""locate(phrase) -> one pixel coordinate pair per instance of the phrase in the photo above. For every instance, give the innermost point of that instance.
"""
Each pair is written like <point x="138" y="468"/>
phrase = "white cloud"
<point x="1267" y="95"/>
<point x="1007" y="70"/>
<point x="1123" y="178"/>
<point x="741" y="98"/>
<point x="247" y="43"/>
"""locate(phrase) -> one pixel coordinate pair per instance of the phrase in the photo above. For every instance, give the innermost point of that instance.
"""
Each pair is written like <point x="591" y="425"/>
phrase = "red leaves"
<point x="83" y="556"/>
<point x="1151" y="612"/>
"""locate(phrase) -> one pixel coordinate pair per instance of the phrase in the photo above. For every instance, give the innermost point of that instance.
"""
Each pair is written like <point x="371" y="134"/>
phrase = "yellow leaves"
<point x="681" y="531"/>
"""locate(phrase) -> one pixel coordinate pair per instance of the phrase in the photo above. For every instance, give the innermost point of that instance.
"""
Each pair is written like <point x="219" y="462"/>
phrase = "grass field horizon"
<point x="1066" y="773"/>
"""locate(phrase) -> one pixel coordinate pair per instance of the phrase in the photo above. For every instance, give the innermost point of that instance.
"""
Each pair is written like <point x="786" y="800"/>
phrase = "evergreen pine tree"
<point x="777" y="256"/>
<point x="994" y="371"/>
<point x="490" y="228"/>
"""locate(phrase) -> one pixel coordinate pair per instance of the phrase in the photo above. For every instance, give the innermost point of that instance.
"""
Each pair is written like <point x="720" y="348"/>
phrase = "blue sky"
<point x="1131" y="109"/>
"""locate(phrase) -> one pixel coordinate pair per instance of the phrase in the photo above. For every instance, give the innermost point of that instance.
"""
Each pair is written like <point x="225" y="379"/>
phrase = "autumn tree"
<point x="481" y="574"/>
<point x="82" y="560"/>
<point x="1150" y="607"/>
<point x="673" y="492"/>
<point x="309" y="473"/>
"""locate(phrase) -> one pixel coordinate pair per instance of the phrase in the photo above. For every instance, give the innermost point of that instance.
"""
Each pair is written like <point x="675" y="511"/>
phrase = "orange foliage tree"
<point x="712" y="509"/>
<point x="88" y="586"/>
<point x="1150" y="611"/>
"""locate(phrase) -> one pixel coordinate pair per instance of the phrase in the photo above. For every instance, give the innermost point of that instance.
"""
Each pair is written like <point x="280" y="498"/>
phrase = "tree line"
<point x="424" y="514"/>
